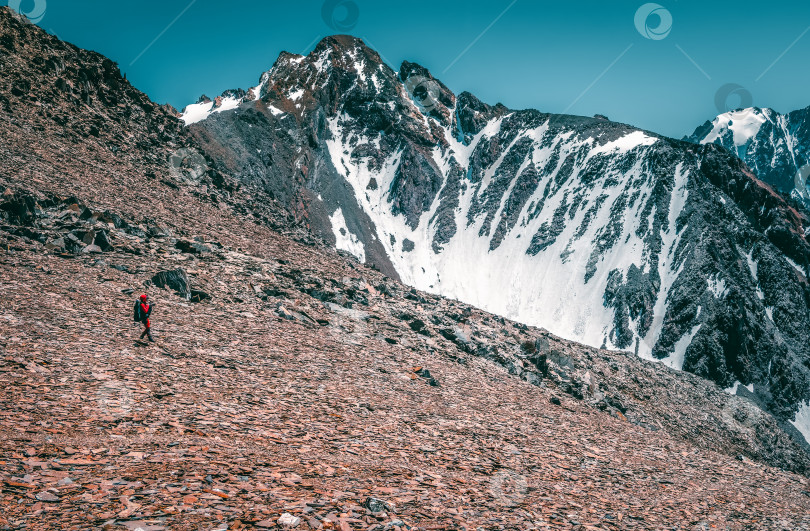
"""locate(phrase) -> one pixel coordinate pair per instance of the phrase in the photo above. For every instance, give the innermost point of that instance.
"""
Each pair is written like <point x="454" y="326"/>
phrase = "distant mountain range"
<point x="775" y="146"/>
<point x="596" y="230"/>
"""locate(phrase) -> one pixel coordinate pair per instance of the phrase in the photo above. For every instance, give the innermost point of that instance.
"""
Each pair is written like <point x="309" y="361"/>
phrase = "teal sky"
<point x="582" y="57"/>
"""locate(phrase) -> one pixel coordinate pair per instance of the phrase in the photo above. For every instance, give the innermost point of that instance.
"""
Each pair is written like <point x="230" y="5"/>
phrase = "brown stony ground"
<point x="297" y="395"/>
<point x="238" y="415"/>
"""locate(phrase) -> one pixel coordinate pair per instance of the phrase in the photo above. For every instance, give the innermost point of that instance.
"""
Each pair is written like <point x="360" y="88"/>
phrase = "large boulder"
<point x="175" y="280"/>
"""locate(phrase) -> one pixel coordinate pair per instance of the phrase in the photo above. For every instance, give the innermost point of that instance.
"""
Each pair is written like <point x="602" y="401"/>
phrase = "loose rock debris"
<point x="241" y="418"/>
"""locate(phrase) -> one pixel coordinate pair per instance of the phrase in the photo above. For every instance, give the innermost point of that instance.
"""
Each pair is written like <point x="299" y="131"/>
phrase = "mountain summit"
<point x="595" y="230"/>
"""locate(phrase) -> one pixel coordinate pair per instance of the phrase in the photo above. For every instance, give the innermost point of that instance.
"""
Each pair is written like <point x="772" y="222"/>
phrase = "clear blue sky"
<point x="538" y="54"/>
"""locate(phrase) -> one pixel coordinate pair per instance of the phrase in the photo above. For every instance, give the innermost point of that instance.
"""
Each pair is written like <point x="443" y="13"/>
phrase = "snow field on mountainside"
<point x="345" y="239"/>
<point x="535" y="290"/>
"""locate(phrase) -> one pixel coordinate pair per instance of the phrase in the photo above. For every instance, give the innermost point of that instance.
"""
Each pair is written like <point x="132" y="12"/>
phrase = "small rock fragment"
<point x="376" y="505"/>
<point x="46" y="496"/>
<point x="289" y="521"/>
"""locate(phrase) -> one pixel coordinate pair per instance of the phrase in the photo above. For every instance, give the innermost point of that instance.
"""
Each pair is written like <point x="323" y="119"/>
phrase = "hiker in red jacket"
<point x="142" y="312"/>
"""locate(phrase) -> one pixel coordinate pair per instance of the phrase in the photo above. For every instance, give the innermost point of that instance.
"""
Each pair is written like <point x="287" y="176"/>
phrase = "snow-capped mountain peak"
<point x="595" y="230"/>
<point x="744" y="124"/>
<point x="775" y="146"/>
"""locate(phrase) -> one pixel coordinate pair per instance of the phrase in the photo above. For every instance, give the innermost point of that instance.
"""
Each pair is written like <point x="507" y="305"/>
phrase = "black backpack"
<point x="138" y="313"/>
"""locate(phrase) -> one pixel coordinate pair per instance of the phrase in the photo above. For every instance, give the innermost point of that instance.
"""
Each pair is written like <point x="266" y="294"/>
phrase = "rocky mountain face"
<point x="775" y="146"/>
<point x="290" y="386"/>
<point x="595" y="230"/>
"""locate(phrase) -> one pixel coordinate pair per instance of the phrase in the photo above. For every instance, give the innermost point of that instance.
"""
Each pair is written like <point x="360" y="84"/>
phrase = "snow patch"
<point x="744" y="125"/>
<point x="796" y="266"/>
<point x="626" y="143"/>
<point x="345" y="240"/>
<point x="733" y="389"/>
<point x="257" y="90"/>
<point x="196" y="112"/>
<point x="678" y="356"/>
<point x="718" y="287"/>
<point x="752" y="265"/>
<point x="802" y="421"/>
<point x="295" y="95"/>
<point x="228" y="104"/>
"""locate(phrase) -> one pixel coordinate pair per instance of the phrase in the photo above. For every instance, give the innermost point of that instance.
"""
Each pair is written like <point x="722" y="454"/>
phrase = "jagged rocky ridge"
<point x="597" y="231"/>
<point x="775" y="146"/>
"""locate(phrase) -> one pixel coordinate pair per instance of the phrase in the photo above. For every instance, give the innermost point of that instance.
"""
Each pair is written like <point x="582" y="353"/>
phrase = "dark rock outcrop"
<point x="175" y="280"/>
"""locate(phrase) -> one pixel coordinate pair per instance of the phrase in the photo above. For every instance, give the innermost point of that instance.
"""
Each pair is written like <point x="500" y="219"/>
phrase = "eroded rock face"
<point x="593" y="229"/>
